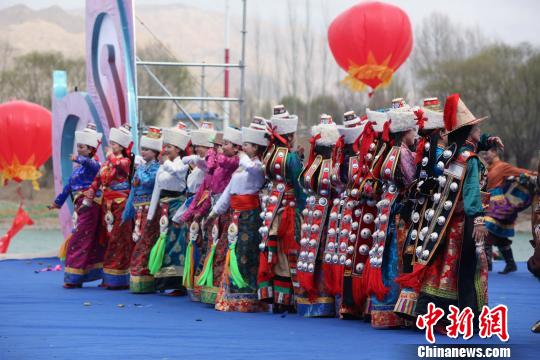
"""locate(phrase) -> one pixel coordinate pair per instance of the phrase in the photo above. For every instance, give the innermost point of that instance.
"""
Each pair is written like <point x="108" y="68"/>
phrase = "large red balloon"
<point x="370" y="41"/>
<point x="26" y="140"/>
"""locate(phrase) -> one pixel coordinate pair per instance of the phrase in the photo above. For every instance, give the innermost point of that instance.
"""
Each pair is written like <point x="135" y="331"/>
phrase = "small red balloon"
<point x="370" y="41"/>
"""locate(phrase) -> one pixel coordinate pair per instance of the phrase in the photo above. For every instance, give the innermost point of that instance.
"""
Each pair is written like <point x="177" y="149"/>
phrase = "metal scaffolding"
<point x="202" y="66"/>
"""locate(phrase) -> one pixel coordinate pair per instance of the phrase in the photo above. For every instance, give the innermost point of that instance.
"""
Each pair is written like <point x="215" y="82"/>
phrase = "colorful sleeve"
<point x="211" y="161"/>
<point x="94" y="187"/>
<point x="61" y="198"/>
<point x="294" y="168"/>
<point x="227" y="162"/>
<point x="484" y="143"/>
<point x="88" y="163"/>
<point x="252" y="167"/>
<point x="223" y="202"/>
<point x="147" y="177"/>
<point x="472" y="201"/>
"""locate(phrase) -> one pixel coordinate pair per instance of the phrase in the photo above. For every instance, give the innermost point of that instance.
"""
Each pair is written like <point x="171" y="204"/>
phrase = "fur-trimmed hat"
<point x="88" y="136"/>
<point x="176" y="136"/>
<point x="233" y="135"/>
<point x="378" y="118"/>
<point x="256" y="132"/>
<point x="284" y="122"/>
<point x="328" y="131"/>
<point x="152" y="140"/>
<point x="432" y="114"/>
<point x="121" y="135"/>
<point x="204" y="136"/>
<point x="352" y="127"/>
<point x="402" y="119"/>
<point x="350" y="119"/>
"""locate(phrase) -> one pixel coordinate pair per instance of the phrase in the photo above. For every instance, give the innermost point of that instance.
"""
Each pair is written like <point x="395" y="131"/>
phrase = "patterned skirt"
<point x="84" y="255"/>
<point x="382" y="312"/>
<point x="172" y="269"/>
<point x="230" y="297"/>
<point x="458" y="274"/>
<point x="118" y="239"/>
<point x="208" y="294"/>
<point x="147" y="232"/>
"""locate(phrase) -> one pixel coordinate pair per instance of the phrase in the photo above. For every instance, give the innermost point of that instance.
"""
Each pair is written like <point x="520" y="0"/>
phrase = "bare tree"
<point x="307" y="41"/>
<point x="292" y="58"/>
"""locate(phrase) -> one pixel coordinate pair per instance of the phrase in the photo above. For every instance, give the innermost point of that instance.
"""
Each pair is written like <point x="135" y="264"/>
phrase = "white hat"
<point x="88" y="136"/>
<point x="152" y="140"/>
<point x="284" y="122"/>
<point x="433" y="119"/>
<point x="204" y="136"/>
<point x="233" y="135"/>
<point x="402" y="118"/>
<point x="378" y="118"/>
<point x="121" y="135"/>
<point x="328" y="130"/>
<point x="256" y="132"/>
<point x="176" y="136"/>
<point x="350" y="119"/>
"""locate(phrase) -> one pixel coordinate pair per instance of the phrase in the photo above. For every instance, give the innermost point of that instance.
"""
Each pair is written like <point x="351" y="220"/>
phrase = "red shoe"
<point x="72" y="286"/>
<point x="177" y="293"/>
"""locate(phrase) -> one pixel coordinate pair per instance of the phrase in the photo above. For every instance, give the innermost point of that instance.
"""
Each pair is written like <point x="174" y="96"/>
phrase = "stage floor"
<point x="41" y="320"/>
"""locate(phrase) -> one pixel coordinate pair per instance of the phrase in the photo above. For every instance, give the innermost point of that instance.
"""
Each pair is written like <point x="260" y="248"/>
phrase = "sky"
<point x="510" y="21"/>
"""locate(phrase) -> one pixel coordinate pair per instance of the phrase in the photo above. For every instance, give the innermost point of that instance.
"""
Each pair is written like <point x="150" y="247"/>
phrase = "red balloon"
<point x="370" y="41"/>
<point x="26" y="140"/>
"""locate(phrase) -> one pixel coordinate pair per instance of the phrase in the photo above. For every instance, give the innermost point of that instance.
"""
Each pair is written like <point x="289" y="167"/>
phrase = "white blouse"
<point x="247" y="179"/>
<point x="170" y="176"/>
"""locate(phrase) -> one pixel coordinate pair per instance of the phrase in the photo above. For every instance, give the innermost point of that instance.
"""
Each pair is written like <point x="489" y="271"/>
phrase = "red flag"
<point x="21" y="220"/>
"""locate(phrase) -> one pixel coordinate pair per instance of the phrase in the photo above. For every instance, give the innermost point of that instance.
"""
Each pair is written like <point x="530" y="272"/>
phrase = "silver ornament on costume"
<point x="368" y="218"/>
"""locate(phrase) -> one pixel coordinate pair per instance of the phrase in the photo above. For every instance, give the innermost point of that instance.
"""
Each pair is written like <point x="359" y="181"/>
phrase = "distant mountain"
<point x="190" y="33"/>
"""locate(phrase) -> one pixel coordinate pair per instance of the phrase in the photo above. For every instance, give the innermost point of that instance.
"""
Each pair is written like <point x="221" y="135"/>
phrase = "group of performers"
<point x="384" y="215"/>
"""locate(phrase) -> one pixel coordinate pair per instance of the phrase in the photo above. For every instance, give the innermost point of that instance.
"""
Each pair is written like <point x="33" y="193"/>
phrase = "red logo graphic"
<point x="494" y="322"/>
<point x="429" y="320"/>
<point x="491" y="322"/>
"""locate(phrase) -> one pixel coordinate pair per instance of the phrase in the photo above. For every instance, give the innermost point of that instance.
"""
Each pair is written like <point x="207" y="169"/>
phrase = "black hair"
<point x="261" y="150"/>
<point x="131" y="157"/>
<point x="459" y="136"/>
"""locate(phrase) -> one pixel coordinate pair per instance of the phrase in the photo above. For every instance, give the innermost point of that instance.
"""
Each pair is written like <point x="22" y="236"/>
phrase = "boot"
<point x="489" y="255"/>
<point x="509" y="258"/>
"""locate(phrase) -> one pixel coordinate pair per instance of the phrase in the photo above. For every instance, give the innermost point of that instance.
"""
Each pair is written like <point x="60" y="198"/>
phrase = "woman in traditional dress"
<point x="281" y="218"/>
<point x="226" y="163"/>
<point x="145" y="233"/>
<point x="84" y="254"/>
<point x="113" y="180"/>
<point x="397" y="173"/>
<point x="238" y="290"/>
<point x="202" y="140"/>
<point x="314" y="298"/>
<point x="450" y="266"/>
<point x="167" y="256"/>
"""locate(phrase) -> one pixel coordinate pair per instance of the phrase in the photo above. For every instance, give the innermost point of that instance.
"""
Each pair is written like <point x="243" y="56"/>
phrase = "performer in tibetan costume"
<point x="397" y="173"/>
<point x="238" y="289"/>
<point x="114" y="181"/>
<point x="449" y="264"/>
<point x="429" y="120"/>
<point x="511" y="189"/>
<point x="280" y="215"/>
<point x="84" y="252"/>
<point x="202" y="140"/>
<point x="314" y="299"/>
<point x="145" y="232"/>
<point x="226" y="163"/>
<point x="167" y="256"/>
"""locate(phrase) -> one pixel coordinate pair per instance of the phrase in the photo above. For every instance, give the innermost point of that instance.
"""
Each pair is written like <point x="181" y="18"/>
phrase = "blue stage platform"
<point x="41" y="320"/>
